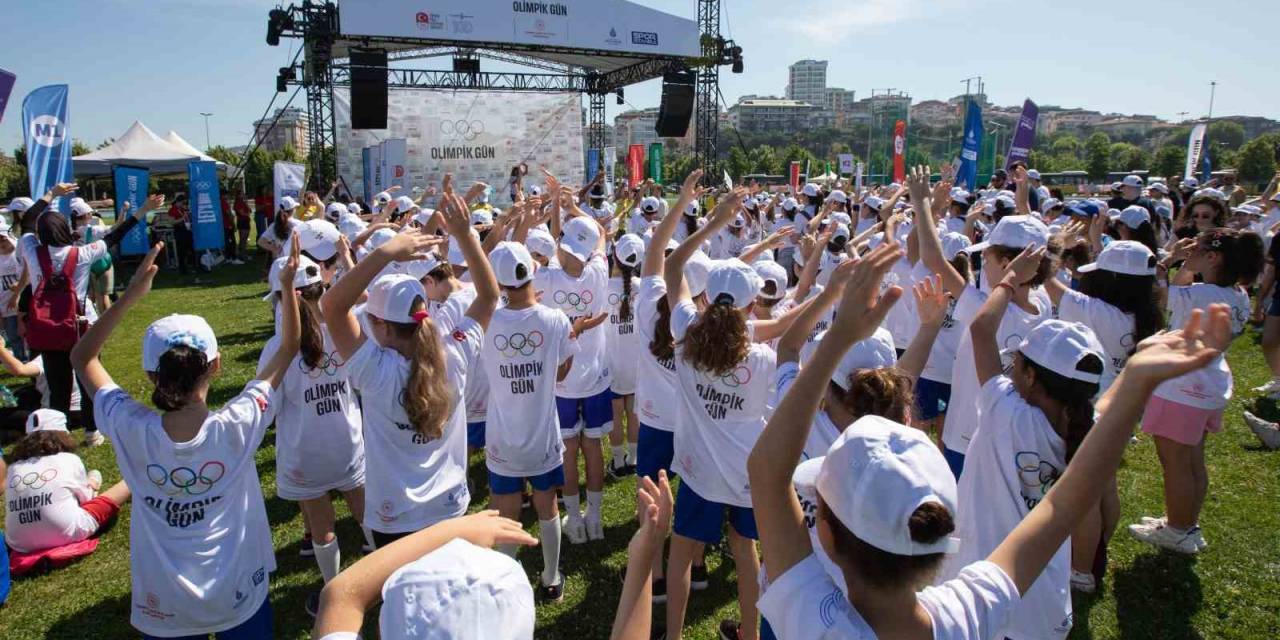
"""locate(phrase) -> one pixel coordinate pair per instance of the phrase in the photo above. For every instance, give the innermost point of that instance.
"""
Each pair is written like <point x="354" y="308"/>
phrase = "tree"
<point x="765" y="160"/>
<point x="739" y="163"/>
<point x="1066" y="144"/>
<point x="1226" y="133"/>
<point x="1256" y="161"/>
<point x="1170" y="161"/>
<point x="1128" y="157"/>
<point x="79" y="148"/>
<point x="1097" y="155"/>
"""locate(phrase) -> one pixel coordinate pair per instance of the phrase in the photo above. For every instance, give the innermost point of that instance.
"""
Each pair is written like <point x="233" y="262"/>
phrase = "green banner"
<point x="655" y="162"/>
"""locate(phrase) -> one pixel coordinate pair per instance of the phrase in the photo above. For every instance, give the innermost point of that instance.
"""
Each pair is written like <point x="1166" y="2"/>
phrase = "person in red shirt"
<point x="228" y="231"/>
<point x="181" y="214"/>
<point x="242" y="211"/>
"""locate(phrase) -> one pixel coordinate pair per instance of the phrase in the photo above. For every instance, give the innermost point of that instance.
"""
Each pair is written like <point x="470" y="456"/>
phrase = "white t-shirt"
<point x="319" y="438"/>
<point x="901" y="320"/>
<point x="806" y="603"/>
<point x="655" y="379"/>
<point x="823" y="433"/>
<point x="963" y="412"/>
<point x="200" y="544"/>
<point x="942" y="355"/>
<point x="622" y="344"/>
<point x="725" y="245"/>
<point x="447" y="315"/>
<point x="720" y="417"/>
<point x="1208" y="387"/>
<point x="522" y="352"/>
<point x="1014" y="459"/>
<point x="10" y="273"/>
<point x="586" y="295"/>
<point x="1113" y="327"/>
<point x="87" y="255"/>
<point x="412" y="482"/>
<point x="43" y="503"/>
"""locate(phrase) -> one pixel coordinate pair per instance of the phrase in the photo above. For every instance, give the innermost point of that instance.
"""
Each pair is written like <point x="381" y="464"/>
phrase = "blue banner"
<point x="206" y="207"/>
<point x="967" y="176"/>
<point x="593" y="164"/>
<point x="7" y="80"/>
<point x="131" y="186"/>
<point x="45" y="130"/>
<point x="1206" y="169"/>
<point x="366" y="160"/>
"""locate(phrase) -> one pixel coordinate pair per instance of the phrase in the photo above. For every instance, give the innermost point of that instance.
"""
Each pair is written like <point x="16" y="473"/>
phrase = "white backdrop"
<point x="473" y="135"/>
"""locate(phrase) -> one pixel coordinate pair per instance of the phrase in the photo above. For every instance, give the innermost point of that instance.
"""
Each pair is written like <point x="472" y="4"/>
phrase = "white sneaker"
<point x="1272" y="386"/>
<point x="93" y="439"/>
<point x="1185" y="542"/>
<point x="1083" y="582"/>
<point x="575" y="529"/>
<point x="595" y="528"/>
<point x="95" y="479"/>
<point x="1268" y="432"/>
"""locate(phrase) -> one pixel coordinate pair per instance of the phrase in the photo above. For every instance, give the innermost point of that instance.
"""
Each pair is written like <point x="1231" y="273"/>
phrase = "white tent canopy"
<point x="141" y="147"/>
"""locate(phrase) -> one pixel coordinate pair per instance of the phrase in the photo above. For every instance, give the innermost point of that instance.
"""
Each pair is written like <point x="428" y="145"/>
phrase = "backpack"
<point x="101" y="265"/>
<point x="53" y="319"/>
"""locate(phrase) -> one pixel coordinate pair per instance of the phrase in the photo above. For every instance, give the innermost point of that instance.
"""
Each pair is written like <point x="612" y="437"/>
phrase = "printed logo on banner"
<point x="613" y="39"/>
<point x="461" y="23"/>
<point x="647" y="38"/>
<point x="466" y="129"/>
<point x="47" y="130"/>
<point x="429" y="21"/>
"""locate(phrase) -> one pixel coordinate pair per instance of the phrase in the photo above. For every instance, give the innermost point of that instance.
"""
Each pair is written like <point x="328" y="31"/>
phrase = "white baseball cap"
<point x="391" y="297"/>
<point x="382" y="198"/>
<point x="379" y="238"/>
<point x="541" y="242"/>
<point x="308" y="274"/>
<point x="1132" y="180"/>
<point x="459" y="590"/>
<point x="1190" y="182"/>
<point x="1212" y="193"/>
<point x="874" y="352"/>
<point x="810" y="190"/>
<point x="841" y="231"/>
<point x="287" y="203"/>
<point x="650" y="204"/>
<point x="1050" y="203"/>
<point x="333" y="212"/>
<point x="423" y="217"/>
<point x="177" y="330"/>
<point x="629" y="250"/>
<point x="18" y="205"/>
<point x="351" y="226"/>
<point x="771" y="272"/>
<point x="46" y="420"/>
<point x="1124" y="256"/>
<point x="80" y="208"/>
<point x="1275" y="197"/>
<point x="696" y="272"/>
<point x="481" y="217"/>
<point x="1033" y="174"/>
<point x="1164" y="210"/>
<point x="1160" y="187"/>
<point x="692" y="209"/>
<point x="580" y="237"/>
<point x="790" y="204"/>
<point x="874" y="202"/>
<point x="1134" y="216"/>
<point x="953" y="243"/>
<point x="838" y="196"/>
<point x="354" y="208"/>
<point x="319" y="238"/>
<point x="512" y="264"/>
<point x="732" y="282"/>
<point x="405" y="204"/>
<point x="1059" y="346"/>
<point x="1016" y="232"/>
<point x="456" y="256"/>
<point x="876" y="474"/>
<point x="738" y="222"/>
<point x="841" y="217"/>
<point x="417" y="269"/>
<point x="535" y="190"/>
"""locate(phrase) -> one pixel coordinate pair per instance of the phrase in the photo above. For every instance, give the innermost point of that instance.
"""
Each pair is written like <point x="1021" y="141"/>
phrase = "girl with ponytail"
<point x="411" y="375"/>
<point x="204" y="522"/>
<point x="622" y="346"/>
<point x="275" y="239"/>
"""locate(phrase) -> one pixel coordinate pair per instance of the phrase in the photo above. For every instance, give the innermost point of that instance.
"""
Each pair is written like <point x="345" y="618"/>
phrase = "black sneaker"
<point x="551" y="593"/>
<point x="617" y="473"/>
<point x="730" y="630"/>
<point x="698" y="577"/>
<point x="307" y="550"/>
<point x="660" y="591"/>
<point x="313" y="604"/>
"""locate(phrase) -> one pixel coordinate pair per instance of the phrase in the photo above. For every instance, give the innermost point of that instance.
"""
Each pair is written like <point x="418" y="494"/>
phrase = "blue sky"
<point x="165" y="61"/>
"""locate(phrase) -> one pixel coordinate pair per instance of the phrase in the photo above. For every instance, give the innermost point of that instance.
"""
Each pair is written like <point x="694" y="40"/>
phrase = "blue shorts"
<point x="655" y="449"/>
<point x="257" y="627"/>
<point x="500" y="485"/>
<point x="932" y="398"/>
<point x="592" y="415"/>
<point x="475" y="435"/>
<point x="1273" y="309"/>
<point x="955" y="460"/>
<point x="700" y="519"/>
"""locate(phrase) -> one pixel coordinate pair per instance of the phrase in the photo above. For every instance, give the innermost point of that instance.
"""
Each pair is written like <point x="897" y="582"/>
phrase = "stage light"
<point x="277" y="21"/>
<point x="735" y="53"/>
<point x="282" y="85"/>
<point x="288" y="73"/>
<point x="737" y="65"/>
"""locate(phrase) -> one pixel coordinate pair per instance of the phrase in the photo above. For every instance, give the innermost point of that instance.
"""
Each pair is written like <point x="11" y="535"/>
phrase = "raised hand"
<point x="931" y="301"/>
<point x="864" y="306"/>
<point x="457" y="219"/>
<point x="290" y="268"/>
<point x="1023" y="268"/>
<point x="1170" y="354"/>
<point x="410" y="245"/>
<point x="918" y="184"/>
<point x="63" y="188"/>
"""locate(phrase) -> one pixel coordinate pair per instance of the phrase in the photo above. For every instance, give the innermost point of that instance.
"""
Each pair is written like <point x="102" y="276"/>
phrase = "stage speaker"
<point x="466" y="65"/>
<point x="677" y="103"/>
<point x="368" y="89"/>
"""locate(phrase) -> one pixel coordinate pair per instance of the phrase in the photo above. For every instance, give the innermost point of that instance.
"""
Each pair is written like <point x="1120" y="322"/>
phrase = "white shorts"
<point x="289" y="490"/>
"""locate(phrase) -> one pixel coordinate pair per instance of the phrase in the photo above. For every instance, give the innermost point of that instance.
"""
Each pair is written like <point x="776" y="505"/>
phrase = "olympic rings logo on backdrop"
<point x="518" y="343"/>
<point x="736" y="378"/>
<point x="578" y="301"/>
<point x="465" y="129"/>
<point x="185" y="479"/>
<point x="329" y="365"/>
<point x="33" y="480"/>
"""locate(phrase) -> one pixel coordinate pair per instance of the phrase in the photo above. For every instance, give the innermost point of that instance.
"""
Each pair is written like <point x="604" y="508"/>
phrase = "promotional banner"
<point x="206" y="209"/>
<point x="635" y="163"/>
<point x="376" y="181"/>
<point x="593" y="165"/>
<point x="6" y="87"/>
<point x="967" y="176"/>
<point x="131" y="186"/>
<point x="655" y="162"/>
<point x="476" y="136"/>
<point x="1024" y="136"/>
<point x="793" y="176"/>
<point x="394" y="158"/>
<point x="289" y="178"/>
<point x="899" y="151"/>
<point x="1206" y="170"/>
<point x="1195" y="146"/>
<point x="858" y="171"/>
<point x="44" y="127"/>
<point x="366" y="162"/>
<point x="846" y="164"/>
<point x="610" y="166"/>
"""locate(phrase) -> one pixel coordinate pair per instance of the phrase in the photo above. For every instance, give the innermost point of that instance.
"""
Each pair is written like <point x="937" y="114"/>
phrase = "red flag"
<point x="635" y="162"/>
<point x="795" y="177"/>
<point x="899" y="151"/>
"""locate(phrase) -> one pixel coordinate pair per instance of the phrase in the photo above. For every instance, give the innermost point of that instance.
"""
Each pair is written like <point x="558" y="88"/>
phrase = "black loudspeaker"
<point x="466" y="65"/>
<point x="677" y="104"/>
<point x="368" y="89"/>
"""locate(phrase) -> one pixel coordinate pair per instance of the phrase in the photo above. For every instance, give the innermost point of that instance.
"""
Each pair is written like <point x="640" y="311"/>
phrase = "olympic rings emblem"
<point x="614" y="299"/>
<point x="36" y="481"/>
<point x="578" y="301"/>
<point x="465" y="129"/>
<point x="518" y="343"/>
<point x="329" y="365"/>
<point x="736" y="378"/>
<point x="185" y="479"/>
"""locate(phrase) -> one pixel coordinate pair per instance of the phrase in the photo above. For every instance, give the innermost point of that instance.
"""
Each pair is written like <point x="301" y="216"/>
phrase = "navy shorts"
<point x="475" y="435"/>
<point x="257" y="627"/>
<point x="501" y="485"/>
<point x="700" y="519"/>
<point x="592" y="415"/>
<point x="655" y="449"/>
<point x="955" y="460"/>
<point x="1273" y="309"/>
<point x="932" y="398"/>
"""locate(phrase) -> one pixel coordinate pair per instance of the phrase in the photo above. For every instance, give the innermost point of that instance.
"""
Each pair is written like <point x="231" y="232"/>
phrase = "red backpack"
<point x="53" y="321"/>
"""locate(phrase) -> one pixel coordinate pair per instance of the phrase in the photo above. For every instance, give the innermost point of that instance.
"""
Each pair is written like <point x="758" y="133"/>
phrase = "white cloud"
<point x="830" y="21"/>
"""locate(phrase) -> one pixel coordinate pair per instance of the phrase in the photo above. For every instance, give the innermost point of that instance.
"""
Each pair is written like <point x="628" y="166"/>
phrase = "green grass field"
<point x="1229" y="591"/>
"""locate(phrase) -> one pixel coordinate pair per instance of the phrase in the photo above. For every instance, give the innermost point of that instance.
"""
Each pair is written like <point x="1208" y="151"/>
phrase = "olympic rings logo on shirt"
<point x="185" y="479"/>
<point x="518" y="343"/>
<point x="465" y="129"/>
<point x="33" y="480"/>
<point x="736" y="378"/>
<point x="329" y="365"/>
<point x="614" y="299"/>
<point x="578" y="301"/>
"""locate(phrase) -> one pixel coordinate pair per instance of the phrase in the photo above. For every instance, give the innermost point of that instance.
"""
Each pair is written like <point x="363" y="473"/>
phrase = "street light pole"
<point x="1213" y="88"/>
<point x="207" y="146"/>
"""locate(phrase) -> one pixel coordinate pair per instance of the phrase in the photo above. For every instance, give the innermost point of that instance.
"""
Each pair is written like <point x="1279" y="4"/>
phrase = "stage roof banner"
<point x="591" y="25"/>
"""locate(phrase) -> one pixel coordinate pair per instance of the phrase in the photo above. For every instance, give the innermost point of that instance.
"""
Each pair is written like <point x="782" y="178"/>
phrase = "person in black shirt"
<point x="1130" y="195"/>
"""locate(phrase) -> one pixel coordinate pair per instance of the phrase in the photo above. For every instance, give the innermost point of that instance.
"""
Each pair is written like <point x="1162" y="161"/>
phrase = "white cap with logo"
<point x="512" y="264"/>
<point x="1124" y="256"/>
<point x="1059" y="346"/>
<point x="541" y="242"/>
<point x="650" y="205"/>
<point x="1134" y="216"/>
<point x="287" y="203"/>
<point x="810" y="190"/>
<point x="1015" y="232"/>
<point x="732" y="282"/>
<point x="80" y="208"/>
<point x="391" y="297"/>
<point x="629" y="250"/>
<point x="771" y="273"/>
<point x="177" y="330"/>
<point x="1132" y="180"/>
<point x="580" y="237"/>
<point x="46" y="420"/>
<point x="319" y="238"/>
<point x="308" y="274"/>
<point x="334" y="211"/>
<point x="874" y="352"/>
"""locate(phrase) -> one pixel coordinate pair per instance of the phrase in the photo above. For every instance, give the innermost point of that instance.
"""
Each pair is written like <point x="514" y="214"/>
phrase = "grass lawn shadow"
<point x="1157" y="596"/>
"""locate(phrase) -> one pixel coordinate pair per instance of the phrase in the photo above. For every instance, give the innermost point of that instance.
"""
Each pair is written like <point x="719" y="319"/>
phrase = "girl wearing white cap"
<point x="1185" y="410"/>
<point x="723" y="383"/>
<point x="11" y="271"/>
<point x="276" y="238"/>
<point x="52" y="500"/>
<point x="623" y="348"/>
<point x="886" y="503"/>
<point x="200" y="541"/>
<point x="411" y="377"/>
<point x="933" y="387"/>
<point x="319" y="439"/>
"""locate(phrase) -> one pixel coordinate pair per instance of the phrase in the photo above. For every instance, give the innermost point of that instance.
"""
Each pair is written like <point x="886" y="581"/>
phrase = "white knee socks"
<point x="549" y="535"/>
<point x="329" y="557"/>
